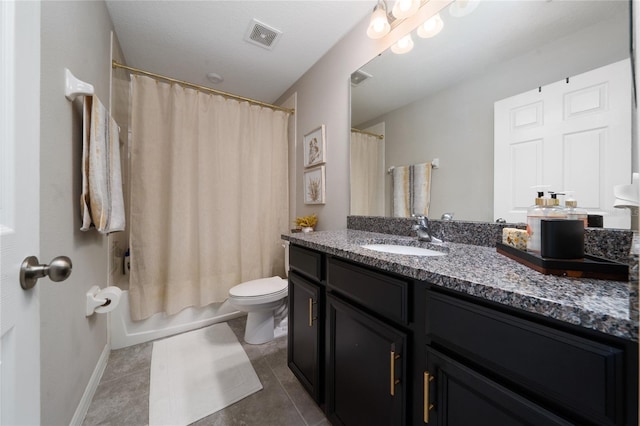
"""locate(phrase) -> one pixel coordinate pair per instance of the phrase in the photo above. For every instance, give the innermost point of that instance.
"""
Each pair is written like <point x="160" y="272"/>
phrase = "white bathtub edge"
<point x="124" y="332"/>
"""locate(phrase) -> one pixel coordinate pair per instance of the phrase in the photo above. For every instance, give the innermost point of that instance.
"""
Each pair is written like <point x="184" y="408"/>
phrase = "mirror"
<point x="437" y="101"/>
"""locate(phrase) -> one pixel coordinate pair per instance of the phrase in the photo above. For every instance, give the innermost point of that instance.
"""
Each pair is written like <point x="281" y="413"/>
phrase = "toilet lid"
<point x="259" y="287"/>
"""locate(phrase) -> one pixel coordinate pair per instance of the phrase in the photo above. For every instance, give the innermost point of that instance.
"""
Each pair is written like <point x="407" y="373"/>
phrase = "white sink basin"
<point x="397" y="249"/>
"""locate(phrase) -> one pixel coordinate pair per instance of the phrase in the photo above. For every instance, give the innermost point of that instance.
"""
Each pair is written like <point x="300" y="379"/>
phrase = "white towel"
<point x="411" y="190"/>
<point x="101" y="202"/>
<point x="401" y="194"/>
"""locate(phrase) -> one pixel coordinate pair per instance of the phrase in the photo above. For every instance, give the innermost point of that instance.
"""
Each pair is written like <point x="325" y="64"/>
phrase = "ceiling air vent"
<point x="358" y="77"/>
<point x="262" y="35"/>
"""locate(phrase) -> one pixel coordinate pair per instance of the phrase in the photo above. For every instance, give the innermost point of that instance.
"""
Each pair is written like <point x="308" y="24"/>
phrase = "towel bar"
<point x="75" y="87"/>
<point x="435" y="164"/>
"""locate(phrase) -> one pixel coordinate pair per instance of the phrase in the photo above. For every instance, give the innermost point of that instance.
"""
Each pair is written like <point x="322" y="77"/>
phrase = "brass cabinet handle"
<point x="427" y="406"/>
<point x="394" y="381"/>
<point x="311" y="318"/>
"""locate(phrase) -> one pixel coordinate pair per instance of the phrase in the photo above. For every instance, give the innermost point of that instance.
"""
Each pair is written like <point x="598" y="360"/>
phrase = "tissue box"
<point x="515" y="238"/>
<point x="562" y="239"/>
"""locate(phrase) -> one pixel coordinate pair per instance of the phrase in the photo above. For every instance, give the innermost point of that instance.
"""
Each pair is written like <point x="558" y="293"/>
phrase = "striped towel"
<point x="411" y="190"/>
<point x="101" y="202"/>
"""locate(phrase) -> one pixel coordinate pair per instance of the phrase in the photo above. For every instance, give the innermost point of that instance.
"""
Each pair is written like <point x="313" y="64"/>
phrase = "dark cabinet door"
<point x="456" y="395"/>
<point x="367" y="368"/>
<point x="306" y="309"/>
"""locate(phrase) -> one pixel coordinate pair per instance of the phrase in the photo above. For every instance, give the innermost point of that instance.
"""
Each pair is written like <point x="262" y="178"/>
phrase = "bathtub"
<point x="126" y="332"/>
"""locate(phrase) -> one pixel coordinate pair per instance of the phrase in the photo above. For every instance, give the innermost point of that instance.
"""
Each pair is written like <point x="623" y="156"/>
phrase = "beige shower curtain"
<point x="209" y="196"/>
<point x="367" y="175"/>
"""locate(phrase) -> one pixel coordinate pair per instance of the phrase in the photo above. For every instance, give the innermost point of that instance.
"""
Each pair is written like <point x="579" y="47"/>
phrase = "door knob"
<point x="58" y="270"/>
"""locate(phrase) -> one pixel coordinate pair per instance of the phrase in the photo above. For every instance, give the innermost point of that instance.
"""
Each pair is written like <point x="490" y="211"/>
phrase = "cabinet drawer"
<point x="306" y="261"/>
<point x="382" y="294"/>
<point x="569" y="371"/>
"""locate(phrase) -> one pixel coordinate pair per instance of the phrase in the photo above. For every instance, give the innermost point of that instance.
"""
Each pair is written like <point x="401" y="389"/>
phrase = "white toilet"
<point x="265" y="301"/>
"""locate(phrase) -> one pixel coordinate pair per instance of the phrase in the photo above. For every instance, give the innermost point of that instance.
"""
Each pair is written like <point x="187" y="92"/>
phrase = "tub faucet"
<point x="422" y="229"/>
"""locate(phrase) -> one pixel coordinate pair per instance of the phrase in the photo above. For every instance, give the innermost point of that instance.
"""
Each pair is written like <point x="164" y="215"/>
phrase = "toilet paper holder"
<point x="96" y="301"/>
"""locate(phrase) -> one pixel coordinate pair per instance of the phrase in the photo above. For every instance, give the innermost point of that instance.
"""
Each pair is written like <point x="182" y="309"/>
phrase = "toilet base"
<point x="259" y="328"/>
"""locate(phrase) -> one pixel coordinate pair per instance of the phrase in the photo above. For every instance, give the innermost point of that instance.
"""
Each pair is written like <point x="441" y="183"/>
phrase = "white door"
<point x="19" y="210"/>
<point x="571" y="136"/>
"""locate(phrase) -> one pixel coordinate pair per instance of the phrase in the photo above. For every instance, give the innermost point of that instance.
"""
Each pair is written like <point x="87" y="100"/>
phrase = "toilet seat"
<point x="259" y="288"/>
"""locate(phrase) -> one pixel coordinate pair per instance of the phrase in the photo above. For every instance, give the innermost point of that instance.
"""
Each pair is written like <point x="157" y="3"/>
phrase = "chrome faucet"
<point x="422" y="229"/>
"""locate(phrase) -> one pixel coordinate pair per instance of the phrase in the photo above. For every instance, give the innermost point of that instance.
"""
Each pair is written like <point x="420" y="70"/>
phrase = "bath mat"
<point x="198" y="373"/>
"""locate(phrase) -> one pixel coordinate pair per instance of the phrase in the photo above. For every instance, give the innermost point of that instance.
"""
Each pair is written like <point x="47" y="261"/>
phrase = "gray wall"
<point x="425" y="129"/>
<point x="323" y="97"/>
<point x="76" y="35"/>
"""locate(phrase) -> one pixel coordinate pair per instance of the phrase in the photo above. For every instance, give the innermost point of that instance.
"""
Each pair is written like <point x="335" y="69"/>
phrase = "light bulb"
<point x="404" y="45"/>
<point x="431" y="27"/>
<point x="379" y="24"/>
<point x="405" y="8"/>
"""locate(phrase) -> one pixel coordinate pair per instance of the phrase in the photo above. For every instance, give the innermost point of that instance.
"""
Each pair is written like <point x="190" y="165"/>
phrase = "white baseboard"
<point x="90" y="390"/>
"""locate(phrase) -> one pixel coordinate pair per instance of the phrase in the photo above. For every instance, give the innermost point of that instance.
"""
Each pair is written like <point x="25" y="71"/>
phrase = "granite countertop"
<point x="482" y="272"/>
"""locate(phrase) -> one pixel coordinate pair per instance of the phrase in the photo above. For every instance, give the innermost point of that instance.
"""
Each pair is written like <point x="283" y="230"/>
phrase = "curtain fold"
<point x="367" y="175"/>
<point x="209" y="196"/>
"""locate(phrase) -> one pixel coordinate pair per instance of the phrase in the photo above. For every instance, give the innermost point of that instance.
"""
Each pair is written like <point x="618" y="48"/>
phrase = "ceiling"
<point x="189" y="39"/>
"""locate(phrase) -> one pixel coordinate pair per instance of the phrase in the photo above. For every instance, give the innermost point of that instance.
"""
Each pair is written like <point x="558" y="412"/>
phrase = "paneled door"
<point x="19" y="210"/>
<point x="572" y="135"/>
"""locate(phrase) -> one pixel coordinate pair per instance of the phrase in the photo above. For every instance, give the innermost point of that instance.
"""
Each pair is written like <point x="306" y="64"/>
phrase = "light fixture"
<point x="379" y="24"/>
<point x="405" y="8"/>
<point x="404" y="45"/>
<point x="460" y="8"/>
<point x="431" y="27"/>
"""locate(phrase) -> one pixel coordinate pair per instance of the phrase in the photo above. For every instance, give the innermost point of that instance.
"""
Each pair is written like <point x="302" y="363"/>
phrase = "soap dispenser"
<point x="535" y="213"/>
<point x="554" y="197"/>
<point x="555" y="211"/>
<point x="544" y="208"/>
<point x="572" y="210"/>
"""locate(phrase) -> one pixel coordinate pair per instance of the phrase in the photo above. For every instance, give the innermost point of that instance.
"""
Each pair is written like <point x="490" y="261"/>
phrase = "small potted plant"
<point x="306" y="223"/>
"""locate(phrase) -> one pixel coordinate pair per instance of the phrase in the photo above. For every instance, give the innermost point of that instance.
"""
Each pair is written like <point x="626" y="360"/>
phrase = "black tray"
<point x="587" y="267"/>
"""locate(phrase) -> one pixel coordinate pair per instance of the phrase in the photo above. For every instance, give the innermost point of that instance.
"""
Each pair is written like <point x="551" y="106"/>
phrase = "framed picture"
<point x="314" y="185"/>
<point x="314" y="147"/>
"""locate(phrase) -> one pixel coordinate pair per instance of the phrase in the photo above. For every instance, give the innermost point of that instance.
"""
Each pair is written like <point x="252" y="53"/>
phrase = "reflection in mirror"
<point x="437" y="101"/>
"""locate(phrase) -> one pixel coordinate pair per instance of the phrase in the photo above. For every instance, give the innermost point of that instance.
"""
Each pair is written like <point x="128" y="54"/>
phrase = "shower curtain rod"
<point x="115" y="64"/>
<point x="364" y="132"/>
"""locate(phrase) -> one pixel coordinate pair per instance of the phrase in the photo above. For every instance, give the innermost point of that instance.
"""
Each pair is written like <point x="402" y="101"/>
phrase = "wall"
<point x="424" y="130"/>
<point x="75" y="35"/>
<point x="323" y="97"/>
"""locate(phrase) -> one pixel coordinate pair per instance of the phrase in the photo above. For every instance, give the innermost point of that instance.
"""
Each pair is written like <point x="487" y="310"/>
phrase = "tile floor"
<point x="122" y="397"/>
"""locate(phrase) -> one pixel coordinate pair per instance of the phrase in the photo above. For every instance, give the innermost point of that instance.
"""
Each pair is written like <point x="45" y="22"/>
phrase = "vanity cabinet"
<point x="374" y="347"/>
<point x="306" y="320"/>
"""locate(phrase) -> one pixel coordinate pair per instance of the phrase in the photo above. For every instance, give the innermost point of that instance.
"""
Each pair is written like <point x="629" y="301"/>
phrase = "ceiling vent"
<point x="358" y="77"/>
<point x="262" y="35"/>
